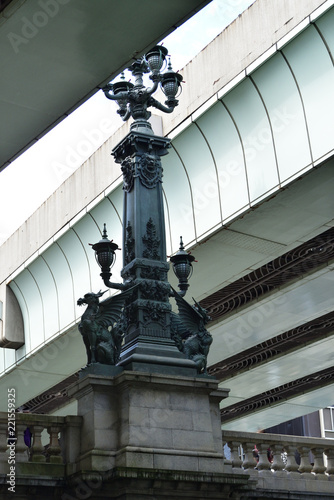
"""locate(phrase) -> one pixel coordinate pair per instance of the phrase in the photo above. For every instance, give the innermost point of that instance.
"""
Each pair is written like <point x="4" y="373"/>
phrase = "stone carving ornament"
<point x="151" y="241"/>
<point x="129" y="245"/>
<point x="189" y="332"/>
<point x="102" y="326"/>
<point x="149" y="170"/>
<point x="127" y="169"/>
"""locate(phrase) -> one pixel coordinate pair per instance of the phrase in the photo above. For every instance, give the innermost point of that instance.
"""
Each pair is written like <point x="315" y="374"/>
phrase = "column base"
<point x="156" y="356"/>
<point x="149" y="420"/>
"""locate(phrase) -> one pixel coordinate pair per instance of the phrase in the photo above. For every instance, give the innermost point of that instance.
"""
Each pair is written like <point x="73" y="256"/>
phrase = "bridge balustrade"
<point x="47" y="444"/>
<point x="282" y="462"/>
<point x="33" y="439"/>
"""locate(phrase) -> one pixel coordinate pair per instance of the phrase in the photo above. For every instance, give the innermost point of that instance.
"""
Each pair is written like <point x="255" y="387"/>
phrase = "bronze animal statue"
<point x="189" y="332"/>
<point x="102" y="327"/>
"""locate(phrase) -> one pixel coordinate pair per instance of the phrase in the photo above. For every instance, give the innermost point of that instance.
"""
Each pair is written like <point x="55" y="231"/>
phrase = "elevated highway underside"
<point x="272" y="325"/>
<point x="249" y="184"/>
<point x="57" y="53"/>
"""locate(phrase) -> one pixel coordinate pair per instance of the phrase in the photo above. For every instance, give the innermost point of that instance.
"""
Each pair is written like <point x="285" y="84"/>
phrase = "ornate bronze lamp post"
<point x="154" y="353"/>
<point x="147" y="319"/>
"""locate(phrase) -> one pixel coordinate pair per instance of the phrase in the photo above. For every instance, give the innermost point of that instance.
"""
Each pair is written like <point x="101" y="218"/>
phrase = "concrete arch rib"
<point x="216" y="179"/>
<point x="269" y="136"/>
<point x="282" y="100"/>
<point x="33" y="312"/>
<point x="226" y="146"/>
<point x="61" y="271"/>
<point x="324" y="26"/>
<point x="312" y="67"/>
<point x="178" y="192"/>
<point x="197" y="159"/>
<point x="46" y="286"/>
<point x="247" y="109"/>
<point x="76" y="267"/>
<point x="25" y="314"/>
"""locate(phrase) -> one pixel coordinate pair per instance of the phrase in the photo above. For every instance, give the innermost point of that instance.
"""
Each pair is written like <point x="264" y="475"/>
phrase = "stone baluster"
<point x="236" y="460"/>
<point x="248" y="462"/>
<point x="330" y="461"/>
<point x="277" y="464"/>
<point x="21" y="449"/>
<point x="263" y="464"/>
<point x="319" y="466"/>
<point x="291" y="464"/>
<point x="305" y="465"/>
<point x="38" y="450"/>
<point x="54" y="451"/>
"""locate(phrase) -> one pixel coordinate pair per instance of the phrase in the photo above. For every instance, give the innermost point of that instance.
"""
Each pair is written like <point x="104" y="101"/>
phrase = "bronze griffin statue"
<point x="189" y="332"/>
<point x="101" y="327"/>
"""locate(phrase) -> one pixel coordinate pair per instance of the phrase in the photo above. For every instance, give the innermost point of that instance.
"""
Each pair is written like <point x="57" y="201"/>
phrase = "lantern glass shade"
<point x="183" y="270"/>
<point x="120" y="87"/>
<point x="105" y="252"/>
<point x="156" y="57"/>
<point x="170" y="83"/>
<point x="105" y="258"/>
<point x="182" y="264"/>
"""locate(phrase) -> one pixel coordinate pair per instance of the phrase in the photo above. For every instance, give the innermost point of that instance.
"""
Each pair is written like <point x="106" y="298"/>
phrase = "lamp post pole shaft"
<point x="147" y="339"/>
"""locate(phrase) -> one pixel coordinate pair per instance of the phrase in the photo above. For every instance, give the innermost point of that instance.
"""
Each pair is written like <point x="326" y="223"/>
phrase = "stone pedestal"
<point x="152" y="427"/>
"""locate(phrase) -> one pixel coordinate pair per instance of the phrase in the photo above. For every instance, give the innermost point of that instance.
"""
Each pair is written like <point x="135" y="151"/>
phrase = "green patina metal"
<point x="152" y="338"/>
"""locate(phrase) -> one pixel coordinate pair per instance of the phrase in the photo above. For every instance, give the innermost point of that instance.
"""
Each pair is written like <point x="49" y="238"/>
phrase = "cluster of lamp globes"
<point x="153" y="62"/>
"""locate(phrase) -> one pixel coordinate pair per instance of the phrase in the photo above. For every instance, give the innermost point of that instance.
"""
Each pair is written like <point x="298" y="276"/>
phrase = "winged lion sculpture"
<point x="101" y="326"/>
<point x="189" y="332"/>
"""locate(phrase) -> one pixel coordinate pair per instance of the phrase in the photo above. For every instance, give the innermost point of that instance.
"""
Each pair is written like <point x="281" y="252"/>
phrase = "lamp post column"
<point x="147" y="340"/>
<point x="146" y="320"/>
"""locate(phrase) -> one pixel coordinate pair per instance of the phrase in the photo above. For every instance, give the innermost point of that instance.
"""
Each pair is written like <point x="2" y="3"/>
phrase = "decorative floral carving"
<point x="153" y="273"/>
<point x="151" y="242"/>
<point x="155" y="290"/>
<point x="129" y="245"/>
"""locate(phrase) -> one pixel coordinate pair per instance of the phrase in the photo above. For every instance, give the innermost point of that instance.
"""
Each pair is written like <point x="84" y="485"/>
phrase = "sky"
<point x="48" y="163"/>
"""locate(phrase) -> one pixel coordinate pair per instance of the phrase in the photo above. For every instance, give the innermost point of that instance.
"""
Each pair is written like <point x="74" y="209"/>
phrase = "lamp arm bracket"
<point x="154" y="87"/>
<point x="173" y="292"/>
<point x="116" y="286"/>
<point x="126" y="116"/>
<point x="158" y="105"/>
<point x="113" y="97"/>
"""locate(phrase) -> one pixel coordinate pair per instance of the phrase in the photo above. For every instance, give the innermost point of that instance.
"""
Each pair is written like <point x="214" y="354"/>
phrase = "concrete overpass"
<point x="248" y="183"/>
<point x="57" y="53"/>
